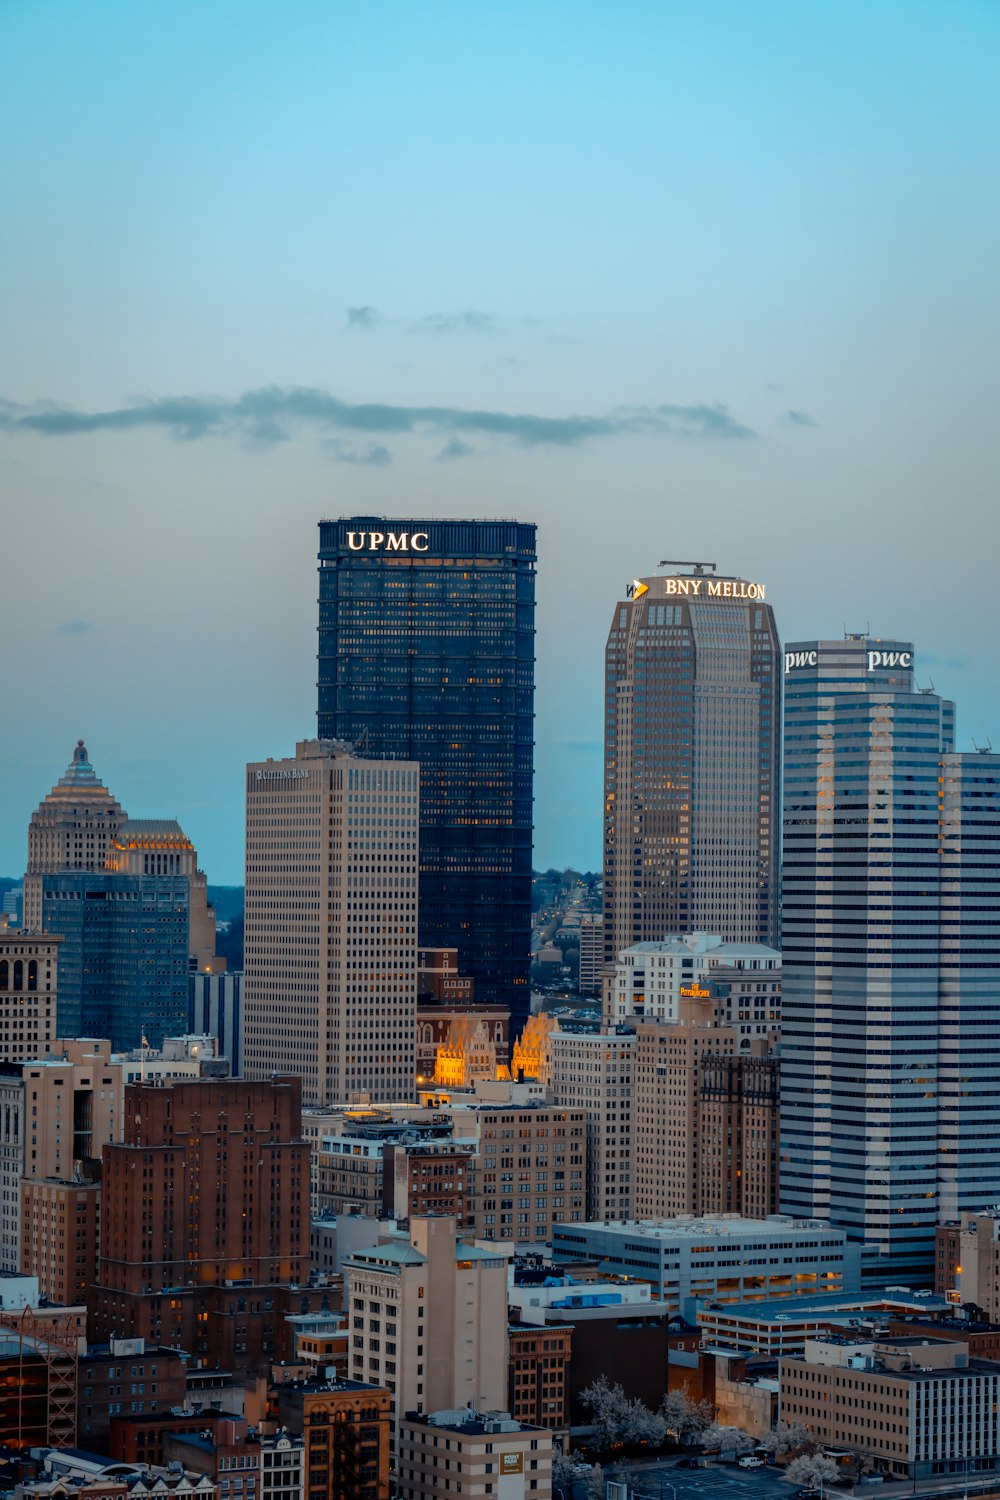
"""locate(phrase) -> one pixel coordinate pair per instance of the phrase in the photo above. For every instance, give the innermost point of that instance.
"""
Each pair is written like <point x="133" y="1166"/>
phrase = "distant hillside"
<point x="228" y="902"/>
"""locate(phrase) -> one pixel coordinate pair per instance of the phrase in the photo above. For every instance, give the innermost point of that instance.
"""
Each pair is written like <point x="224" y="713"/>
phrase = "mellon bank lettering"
<point x="388" y="541"/>
<point x="715" y="588"/>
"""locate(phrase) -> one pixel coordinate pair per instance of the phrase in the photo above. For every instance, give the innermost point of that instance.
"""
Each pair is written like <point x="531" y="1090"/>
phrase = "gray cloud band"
<point x="272" y="414"/>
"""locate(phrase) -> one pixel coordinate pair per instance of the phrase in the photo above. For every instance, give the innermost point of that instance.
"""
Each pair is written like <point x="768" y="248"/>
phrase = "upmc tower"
<point x="691" y="762"/>
<point x="427" y="653"/>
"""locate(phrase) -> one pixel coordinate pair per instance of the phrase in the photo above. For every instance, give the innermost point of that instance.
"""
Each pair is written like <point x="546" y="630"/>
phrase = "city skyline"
<point x="682" y="287"/>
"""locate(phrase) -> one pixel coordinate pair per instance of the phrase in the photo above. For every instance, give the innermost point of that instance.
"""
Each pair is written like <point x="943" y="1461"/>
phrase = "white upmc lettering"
<point x="800" y="659"/>
<point x="396" y="541"/>
<point x="418" y="541"/>
<point x="356" y="540"/>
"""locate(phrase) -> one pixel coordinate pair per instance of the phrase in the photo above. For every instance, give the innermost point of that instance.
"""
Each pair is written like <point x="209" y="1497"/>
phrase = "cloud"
<point x="74" y="627"/>
<point x="799" y="419"/>
<point x="377" y="457"/>
<point x="274" y="413"/>
<point x="362" y="317"/>
<point x="456" y="449"/>
<point x="463" y="322"/>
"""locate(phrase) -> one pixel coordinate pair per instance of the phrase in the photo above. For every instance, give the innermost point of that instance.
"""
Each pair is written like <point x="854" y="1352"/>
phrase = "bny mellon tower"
<point x="691" y="761"/>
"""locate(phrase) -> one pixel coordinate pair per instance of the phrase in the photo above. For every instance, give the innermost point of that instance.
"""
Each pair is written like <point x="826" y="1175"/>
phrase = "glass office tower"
<point x="891" y="940"/>
<point x="691" y="762"/>
<point x="426" y="652"/>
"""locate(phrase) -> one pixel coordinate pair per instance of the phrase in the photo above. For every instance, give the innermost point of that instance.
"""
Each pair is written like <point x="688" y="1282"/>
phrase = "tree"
<point x="813" y="1471"/>
<point x="784" y="1437"/>
<point x="595" y="1483"/>
<point x="608" y="1407"/>
<point x="731" y="1441"/>
<point x="683" y="1417"/>
<point x="562" y="1473"/>
<point x="643" y="1426"/>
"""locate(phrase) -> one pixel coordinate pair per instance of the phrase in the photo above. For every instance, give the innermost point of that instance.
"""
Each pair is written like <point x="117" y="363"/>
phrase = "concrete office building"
<point x="331" y="923"/>
<point x="531" y="1170"/>
<point x="890" y="1051"/>
<point x="429" y="1320"/>
<point x="650" y="980"/>
<point x="591" y="955"/>
<point x="692" y="760"/>
<point x="972" y="1272"/>
<point x="772" y="1328"/>
<point x="29" y="986"/>
<point x="593" y="1071"/>
<point x="920" y="1407"/>
<point x="426" y="653"/>
<point x="215" y="1008"/>
<point x="473" y="1455"/>
<point x="688" y="1260"/>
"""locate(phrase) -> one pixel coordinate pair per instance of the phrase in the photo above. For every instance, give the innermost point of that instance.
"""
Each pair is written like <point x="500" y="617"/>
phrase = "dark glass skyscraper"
<point x="427" y="652"/>
<point x="890" y="1054"/>
<point x="691" y="762"/>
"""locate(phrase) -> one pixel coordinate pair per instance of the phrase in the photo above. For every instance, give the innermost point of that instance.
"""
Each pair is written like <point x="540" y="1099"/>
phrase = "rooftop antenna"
<point x="678" y="562"/>
<point x="986" y="749"/>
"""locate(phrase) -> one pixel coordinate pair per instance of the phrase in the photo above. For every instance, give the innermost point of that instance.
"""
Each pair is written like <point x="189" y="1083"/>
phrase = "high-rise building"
<point x="28" y="993"/>
<point x="429" y="1320"/>
<point x="330" y="956"/>
<point x="426" y="652"/>
<point x="592" y="1071"/>
<point x="215" y="1008"/>
<point x="205" y="1211"/>
<point x="891" y="921"/>
<point x="123" y="962"/>
<point x="691" y="764"/>
<point x="71" y="830"/>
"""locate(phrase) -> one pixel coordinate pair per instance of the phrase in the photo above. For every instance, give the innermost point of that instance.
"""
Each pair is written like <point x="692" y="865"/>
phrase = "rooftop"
<point x="796" y="1309"/>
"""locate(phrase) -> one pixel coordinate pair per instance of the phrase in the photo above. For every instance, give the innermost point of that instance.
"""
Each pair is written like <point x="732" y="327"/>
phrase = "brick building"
<point x="538" y="1374"/>
<point x="346" y="1427"/>
<point x="206" y="1214"/>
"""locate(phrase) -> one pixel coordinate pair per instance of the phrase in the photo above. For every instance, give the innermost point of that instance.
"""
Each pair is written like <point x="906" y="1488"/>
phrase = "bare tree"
<point x="562" y="1473"/>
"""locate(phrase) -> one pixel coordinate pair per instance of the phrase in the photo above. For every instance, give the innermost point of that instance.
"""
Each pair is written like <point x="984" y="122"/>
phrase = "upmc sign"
<point x="387" y="541"/>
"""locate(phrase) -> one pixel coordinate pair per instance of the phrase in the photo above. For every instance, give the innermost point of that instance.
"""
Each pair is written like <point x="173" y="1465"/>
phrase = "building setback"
<point x="426" y="653"/>
<point x="330" y="955"/>
<point x="691" y="762"/>
<point x="890" y="1051"/>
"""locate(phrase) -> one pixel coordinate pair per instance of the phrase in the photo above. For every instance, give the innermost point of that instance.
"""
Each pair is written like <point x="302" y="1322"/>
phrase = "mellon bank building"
<point x="427" y="653"/>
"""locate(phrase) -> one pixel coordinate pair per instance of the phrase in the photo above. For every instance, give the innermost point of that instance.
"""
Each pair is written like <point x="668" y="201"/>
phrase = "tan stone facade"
<point x="428" y="1319"/>
<point x="331" y="923"/>
<point x="60" y="1230"/>
<point x="473" y="1456"/>
<point x="29" y="982"/>
<point x="71" y="830"/>
<point x="593" y="1072"/>
<point x="531" y="1171"/>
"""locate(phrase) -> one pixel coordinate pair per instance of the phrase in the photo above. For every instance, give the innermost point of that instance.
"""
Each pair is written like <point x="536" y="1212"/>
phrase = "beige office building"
<point x="919" y="1407"/>
<point x="976" y="1277"/>
<point x="331" y="923"/>
<point x="592" y="1072"/>
<point x="429" y="1320"/>
<point x="28" y="989"/>
<point x="71" y="829"/>
<point x="472" y="1455"/>
<point x="531" y="1171"/>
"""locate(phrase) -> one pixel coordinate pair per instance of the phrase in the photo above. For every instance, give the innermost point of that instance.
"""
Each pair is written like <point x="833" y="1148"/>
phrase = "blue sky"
<point x="754" y="247"/>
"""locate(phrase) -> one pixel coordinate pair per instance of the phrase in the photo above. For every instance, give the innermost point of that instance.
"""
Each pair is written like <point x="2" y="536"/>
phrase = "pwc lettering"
<point x="889" y="659"/>
<point x="389" y="541"/>
<point x="795" y="659"/>
<point x="715" y="588"/>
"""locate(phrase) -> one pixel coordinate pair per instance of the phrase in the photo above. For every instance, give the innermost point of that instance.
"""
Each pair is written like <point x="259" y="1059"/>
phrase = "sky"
<point x="670" y="279"/>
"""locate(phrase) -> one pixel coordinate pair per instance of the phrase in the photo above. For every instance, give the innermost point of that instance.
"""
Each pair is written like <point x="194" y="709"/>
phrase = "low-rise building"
<point x="538" y="1363"/>
<point x="346" y="1428"/>
<point x="724" y="1259"/>
<point x="782" y="1325"/>
<point x="975" y="1255"/>
<point x="921" y="1408"/>
<point x="251" y="1467"/>
<point x="125" y="1375"/>
<point x="462" y="1455"/>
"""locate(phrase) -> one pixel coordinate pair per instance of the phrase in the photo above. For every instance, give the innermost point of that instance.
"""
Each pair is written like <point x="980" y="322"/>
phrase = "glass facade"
<point x="691" y="735"/>
<point x="426" y="653"/>
<point x="891" y="934"/>
<point x="123" y="961"/>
